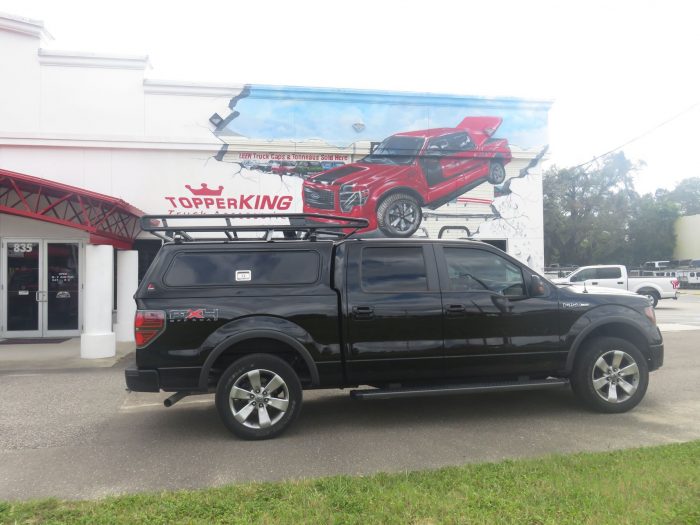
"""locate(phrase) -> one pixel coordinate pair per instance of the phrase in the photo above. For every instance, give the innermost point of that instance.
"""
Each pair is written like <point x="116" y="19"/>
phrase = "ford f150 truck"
<point x="615" y="276"/>
<point x="411" y="170"/>
<point x="256" y="314"/>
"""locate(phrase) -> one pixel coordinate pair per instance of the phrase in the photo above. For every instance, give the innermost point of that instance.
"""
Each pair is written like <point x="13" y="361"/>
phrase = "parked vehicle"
<point x="283" y="167"/>
<point x="259" y="321"/>
<point x="615" y="276"/>
<point x="411" y="170"/>
<point x="689" y="278"/>
<point x="306" y="169"/>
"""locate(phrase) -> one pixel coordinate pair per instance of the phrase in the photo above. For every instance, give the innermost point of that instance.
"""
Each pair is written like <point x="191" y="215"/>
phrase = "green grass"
<point x="648" y="485"/>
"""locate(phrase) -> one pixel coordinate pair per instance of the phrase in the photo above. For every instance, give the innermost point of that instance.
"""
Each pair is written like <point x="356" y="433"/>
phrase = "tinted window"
<point x="608" y="273"/>
<point x="584" y="275"/>
<point x="243" y="268"/>
<point x="473" y="270"/>
<point x="394" y="269"/>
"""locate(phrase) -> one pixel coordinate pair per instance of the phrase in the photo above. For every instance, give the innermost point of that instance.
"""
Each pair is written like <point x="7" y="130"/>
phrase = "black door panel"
<point x="394" y="330"/>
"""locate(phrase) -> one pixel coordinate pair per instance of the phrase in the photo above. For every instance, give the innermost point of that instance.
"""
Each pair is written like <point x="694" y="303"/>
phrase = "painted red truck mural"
<point x="411" y="170"/>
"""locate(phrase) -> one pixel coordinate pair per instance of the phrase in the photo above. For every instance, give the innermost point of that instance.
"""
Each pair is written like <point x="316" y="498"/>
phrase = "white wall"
<point x="687" y="238"/>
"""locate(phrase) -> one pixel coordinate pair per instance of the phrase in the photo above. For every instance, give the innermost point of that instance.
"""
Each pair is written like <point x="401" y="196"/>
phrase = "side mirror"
<point x="538" y="287"/>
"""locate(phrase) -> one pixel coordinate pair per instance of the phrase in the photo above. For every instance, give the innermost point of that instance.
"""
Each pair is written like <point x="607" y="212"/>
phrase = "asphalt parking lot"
<point x="78" y="434"/>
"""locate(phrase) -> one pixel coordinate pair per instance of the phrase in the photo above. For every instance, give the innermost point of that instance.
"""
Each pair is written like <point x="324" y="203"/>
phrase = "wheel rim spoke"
<point x="600" y="382"/>
<point x="245" y="412"/>
<point x="612" y="393"/>
<point x="274" y="384"/>
<point x="629" y="370"/>
<point x="254" y="378"/>
<point x="279" y="404"/>
<point x="264" y="417"/>
<point x="627" y="387"/>
<point x="602" y="364"/>
<point x="239" y="393"/>
<point x="617" y="359"/>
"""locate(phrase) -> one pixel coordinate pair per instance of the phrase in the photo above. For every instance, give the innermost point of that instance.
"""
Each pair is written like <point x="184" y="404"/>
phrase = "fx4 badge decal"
<point x="574" y="305"/>
<point x="193" y="314"/>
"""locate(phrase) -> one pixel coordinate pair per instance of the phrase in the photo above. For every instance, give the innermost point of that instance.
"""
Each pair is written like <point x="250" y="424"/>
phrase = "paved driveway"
<point x="80" y="435"/>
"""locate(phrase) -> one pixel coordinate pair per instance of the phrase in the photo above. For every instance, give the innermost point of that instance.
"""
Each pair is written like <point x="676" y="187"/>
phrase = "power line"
<point x="674" y="117"/>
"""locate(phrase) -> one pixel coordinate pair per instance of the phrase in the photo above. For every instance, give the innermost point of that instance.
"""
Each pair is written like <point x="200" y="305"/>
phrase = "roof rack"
<point x="302" y="226"/>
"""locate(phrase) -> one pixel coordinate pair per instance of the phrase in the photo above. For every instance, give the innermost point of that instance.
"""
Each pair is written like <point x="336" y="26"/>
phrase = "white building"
<point x="88" y="143"/>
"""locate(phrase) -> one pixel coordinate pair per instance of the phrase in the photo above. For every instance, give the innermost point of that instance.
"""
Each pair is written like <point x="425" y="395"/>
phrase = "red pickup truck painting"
<point x="411" y="170"/>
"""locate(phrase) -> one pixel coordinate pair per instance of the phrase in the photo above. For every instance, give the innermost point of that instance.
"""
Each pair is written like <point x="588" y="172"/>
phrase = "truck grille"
<point x="322" y="199"/>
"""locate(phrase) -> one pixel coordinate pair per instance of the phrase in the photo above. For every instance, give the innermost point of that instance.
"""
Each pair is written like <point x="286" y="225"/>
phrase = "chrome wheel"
<point x="403" y="216"/>
<point x="259" y="399"/>
<point x="615" y="376"/>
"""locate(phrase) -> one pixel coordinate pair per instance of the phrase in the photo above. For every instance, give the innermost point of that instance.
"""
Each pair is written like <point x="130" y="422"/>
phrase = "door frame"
<point x="42" y="330"/>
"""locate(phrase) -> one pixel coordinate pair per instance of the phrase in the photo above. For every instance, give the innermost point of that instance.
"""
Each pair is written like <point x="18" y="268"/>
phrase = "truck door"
<point x="393" y="313"/>
<point x="492" y="326"/>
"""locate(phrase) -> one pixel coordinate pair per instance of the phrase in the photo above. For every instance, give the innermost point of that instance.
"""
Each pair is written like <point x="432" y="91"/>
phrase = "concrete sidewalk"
<point x="55" y="356"/>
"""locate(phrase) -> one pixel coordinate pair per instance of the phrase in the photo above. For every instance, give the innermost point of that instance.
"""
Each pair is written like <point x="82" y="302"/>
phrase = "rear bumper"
<point x="656" y="356"/>
<point x="142" y="380"/>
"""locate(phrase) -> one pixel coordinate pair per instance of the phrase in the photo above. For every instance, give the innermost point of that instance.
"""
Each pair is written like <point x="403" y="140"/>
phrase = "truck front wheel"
<point x="399" y="215"/>
<point x="258" y="396"/>
<point x="610" y="375"/>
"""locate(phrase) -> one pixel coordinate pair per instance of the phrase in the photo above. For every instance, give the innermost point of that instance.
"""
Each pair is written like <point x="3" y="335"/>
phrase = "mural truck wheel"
<point x="399" y="215"/>
<point x="497" y="173"/>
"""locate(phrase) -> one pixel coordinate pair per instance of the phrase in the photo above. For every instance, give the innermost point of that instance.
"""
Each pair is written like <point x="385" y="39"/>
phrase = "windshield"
<point x="396" y="150"/>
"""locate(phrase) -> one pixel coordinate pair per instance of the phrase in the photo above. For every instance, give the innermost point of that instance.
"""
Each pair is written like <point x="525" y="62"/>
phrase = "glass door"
<point x="21" y="300"/>
<point x="60" y="296"/>
<point x="43" y="284"/>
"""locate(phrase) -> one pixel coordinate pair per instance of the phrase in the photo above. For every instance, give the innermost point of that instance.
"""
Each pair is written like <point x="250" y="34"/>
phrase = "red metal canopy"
<point x="108" y="220"/>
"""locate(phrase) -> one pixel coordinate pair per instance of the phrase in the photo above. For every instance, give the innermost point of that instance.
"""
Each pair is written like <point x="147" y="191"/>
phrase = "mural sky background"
<point x="291" y="113"/>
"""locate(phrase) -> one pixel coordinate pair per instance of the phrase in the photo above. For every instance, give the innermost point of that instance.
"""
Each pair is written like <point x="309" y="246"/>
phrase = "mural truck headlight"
<point x="352" y="195"/>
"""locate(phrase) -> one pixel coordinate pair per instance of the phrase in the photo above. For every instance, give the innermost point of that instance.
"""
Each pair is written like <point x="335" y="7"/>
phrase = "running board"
<point x="473" y="388"/>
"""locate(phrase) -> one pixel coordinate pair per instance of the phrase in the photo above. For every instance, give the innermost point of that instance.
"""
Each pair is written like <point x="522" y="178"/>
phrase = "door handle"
<point x="455" y="309"/>
<point x="363" y="312"/>
<point x="620" y="282"/>
<point x="594" y="282"/>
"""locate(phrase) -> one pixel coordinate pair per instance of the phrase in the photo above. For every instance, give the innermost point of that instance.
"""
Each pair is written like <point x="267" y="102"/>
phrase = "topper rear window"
<point x="243" y="268"/>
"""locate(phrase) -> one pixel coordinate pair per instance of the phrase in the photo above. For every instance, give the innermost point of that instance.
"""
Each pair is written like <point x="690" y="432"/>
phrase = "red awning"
<point x="107" y="219"/>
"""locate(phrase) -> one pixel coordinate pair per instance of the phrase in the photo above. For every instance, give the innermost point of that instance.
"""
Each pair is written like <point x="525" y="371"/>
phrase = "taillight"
<point x="148" y="324"/>
<point x="675" y="283"/>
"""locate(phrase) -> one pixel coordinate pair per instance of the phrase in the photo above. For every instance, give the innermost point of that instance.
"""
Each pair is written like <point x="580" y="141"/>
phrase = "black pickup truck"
<point x="307" y="306"/>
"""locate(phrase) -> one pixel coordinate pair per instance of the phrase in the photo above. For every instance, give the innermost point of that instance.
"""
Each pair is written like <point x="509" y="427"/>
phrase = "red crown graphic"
<point x="204" y="190"/>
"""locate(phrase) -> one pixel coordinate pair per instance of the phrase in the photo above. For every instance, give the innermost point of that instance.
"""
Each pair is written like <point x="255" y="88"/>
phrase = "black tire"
<point x="497" y="173"/>
<point x="652" y="295"/>
<point x="399" y="215"/>
<point x="254" y="426"/>
<point x="591" y="383"/>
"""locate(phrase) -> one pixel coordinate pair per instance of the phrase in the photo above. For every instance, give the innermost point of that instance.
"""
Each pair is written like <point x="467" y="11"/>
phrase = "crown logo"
<point x="205" y="191"/>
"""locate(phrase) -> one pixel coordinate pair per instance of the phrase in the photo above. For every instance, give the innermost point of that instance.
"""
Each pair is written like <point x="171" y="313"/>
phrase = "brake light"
<point x="675" y="283"/>
<point x="148" y="324"/>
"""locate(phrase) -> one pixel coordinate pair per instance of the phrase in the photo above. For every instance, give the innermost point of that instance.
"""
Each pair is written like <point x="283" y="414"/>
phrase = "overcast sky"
<point x="614" y="70"/>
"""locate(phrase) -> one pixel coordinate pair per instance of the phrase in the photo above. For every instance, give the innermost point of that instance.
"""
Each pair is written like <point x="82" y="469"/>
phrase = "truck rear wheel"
<point x="258" y="396"/>
<point x="610" y="375"/>
<point x="652" y="295"/>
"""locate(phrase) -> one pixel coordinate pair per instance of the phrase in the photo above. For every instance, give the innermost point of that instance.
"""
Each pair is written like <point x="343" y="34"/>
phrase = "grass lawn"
<point x="648" y="485"/>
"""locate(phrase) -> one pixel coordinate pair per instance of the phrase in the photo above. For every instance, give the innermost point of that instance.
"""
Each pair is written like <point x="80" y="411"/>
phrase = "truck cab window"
<point x="394" y="269"/>
<point x="472" y="270"/>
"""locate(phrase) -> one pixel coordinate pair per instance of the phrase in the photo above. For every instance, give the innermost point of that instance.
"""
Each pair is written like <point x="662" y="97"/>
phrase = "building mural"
<point x="411" y="164"/>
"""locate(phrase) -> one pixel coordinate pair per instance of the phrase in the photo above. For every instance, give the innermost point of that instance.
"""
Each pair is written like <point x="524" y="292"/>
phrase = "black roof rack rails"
<point x="302" y="226"/>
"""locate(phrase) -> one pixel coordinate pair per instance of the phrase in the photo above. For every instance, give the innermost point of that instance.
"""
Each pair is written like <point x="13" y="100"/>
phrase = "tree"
<point x="687" y="195"/>
<point x="651" y="233"/>
<point x="587" y="212"/>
